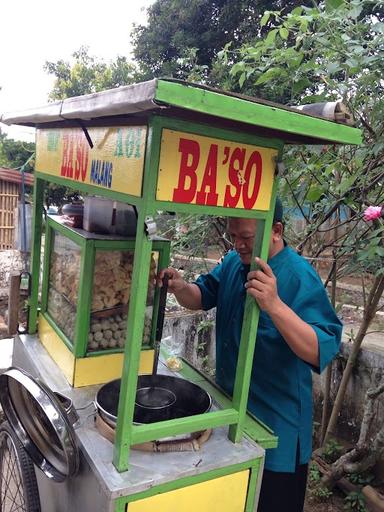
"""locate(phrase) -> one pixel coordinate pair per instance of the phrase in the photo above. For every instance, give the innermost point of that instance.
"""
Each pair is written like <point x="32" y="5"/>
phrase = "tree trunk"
<point x="369" y="313"/>
<point x="328" y="372"/>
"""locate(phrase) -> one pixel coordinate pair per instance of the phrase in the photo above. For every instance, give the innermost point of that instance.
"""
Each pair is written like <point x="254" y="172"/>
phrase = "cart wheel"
<point x="19" y="491"/>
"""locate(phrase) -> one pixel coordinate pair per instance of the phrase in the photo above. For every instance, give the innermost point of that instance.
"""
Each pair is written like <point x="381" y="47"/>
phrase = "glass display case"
<point x="87" y="285"/>
<point x="64" y="274"/>
<point x="110" y="297"/>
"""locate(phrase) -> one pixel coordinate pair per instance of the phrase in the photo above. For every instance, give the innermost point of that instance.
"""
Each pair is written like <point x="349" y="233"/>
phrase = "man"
<point x="298" y="331"/>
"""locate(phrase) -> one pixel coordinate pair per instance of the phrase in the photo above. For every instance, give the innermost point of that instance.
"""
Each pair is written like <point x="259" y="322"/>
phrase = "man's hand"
<point x="261" y="284"/>
<point x="176" y="282"/>
<point x="187" y="294"/>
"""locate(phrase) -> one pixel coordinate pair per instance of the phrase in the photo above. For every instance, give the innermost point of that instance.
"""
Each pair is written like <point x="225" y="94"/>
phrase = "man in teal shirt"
<point x="298" y="331"/>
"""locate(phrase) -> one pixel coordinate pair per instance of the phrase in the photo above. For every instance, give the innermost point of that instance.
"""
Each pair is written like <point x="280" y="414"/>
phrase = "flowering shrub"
<point x="373" y="212"/>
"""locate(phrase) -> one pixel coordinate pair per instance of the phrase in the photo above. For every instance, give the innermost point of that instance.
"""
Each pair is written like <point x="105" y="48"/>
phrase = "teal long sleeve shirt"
<point x="280" y="393"/>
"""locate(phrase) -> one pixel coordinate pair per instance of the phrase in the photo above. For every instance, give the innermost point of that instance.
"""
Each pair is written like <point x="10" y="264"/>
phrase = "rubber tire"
<point x="25" y="467"/>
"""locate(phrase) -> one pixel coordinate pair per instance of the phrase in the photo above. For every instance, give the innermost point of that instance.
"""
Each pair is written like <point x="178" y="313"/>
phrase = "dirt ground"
<point x="335" y="503"/>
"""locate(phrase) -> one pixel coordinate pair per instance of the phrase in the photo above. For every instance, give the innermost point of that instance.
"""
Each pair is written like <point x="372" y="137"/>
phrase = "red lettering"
<point x="238" y="156"/>
<point x="255" y="161"/>
<point x="81" y="163"/>
<point x="227" y="152"/>
<point x="209" y="180"/>
<point x="70" y="157"/>
<point x="190" y="156"/>
<point x="66" y="164"/>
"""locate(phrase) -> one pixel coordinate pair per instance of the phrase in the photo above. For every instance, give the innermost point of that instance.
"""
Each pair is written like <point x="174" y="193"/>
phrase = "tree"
<point x="14" y="153"/>
<point x="181" y="31"/>
<point x="87" y="74"/>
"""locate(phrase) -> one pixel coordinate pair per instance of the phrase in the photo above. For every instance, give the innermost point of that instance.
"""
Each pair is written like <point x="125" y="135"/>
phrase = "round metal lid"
<point x="40" y="423"/>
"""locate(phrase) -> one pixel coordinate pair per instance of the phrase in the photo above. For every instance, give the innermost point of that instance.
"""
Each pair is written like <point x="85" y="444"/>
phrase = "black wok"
<point x="178" y="398"/>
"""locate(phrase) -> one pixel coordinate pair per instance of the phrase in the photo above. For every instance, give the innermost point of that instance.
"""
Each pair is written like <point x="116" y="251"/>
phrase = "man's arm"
<point x="299" y="335"/>
<point x="187" y="294"/>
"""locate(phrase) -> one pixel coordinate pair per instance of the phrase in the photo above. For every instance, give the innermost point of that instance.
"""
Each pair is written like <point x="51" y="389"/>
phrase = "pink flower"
<point x="372" y="212"/>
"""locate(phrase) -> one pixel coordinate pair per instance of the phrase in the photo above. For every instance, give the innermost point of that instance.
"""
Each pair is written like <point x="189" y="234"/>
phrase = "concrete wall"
<point x="192" y="336"/>
<point x="10" y="261"/>
<point x="368" y="373"/>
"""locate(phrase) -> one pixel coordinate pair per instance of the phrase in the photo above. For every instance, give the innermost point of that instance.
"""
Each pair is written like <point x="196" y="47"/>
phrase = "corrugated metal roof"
<point x="14" y="176"/>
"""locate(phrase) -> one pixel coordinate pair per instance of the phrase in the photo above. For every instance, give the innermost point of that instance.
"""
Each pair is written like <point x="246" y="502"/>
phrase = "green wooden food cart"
<point x="162" y="145"/>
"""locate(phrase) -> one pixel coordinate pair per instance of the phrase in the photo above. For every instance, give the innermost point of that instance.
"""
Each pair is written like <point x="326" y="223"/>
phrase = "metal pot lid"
<point x="41" y="424"/>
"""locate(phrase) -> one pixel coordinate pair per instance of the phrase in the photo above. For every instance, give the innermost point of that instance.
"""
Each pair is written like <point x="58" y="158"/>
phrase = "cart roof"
<point x="188" y="101"/>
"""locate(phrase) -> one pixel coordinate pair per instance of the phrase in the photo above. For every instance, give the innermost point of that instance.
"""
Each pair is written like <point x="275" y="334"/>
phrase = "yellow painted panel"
<point x="116" y="161"/>
<point x="101" y="369"/>
<point x="88" y="370"/>
<point x="225" y="494"/>
<point x="194" y="169"/>
<point x="55" y="347"/>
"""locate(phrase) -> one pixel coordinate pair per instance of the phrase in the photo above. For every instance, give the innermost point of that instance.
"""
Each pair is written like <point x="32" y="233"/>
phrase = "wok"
<point x="178" y="398"/>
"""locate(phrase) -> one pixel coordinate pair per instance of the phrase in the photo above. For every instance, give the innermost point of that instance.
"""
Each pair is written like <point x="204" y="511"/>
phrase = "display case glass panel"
<point x="63" y="283"/>
<point x="110" y="298"/>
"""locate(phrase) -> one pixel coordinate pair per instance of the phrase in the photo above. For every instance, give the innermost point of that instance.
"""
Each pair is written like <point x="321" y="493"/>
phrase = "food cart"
<point x="94" y="316"/>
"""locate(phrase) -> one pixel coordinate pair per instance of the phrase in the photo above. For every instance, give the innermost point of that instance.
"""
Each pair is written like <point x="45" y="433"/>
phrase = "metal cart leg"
<point x="18" y="486"/>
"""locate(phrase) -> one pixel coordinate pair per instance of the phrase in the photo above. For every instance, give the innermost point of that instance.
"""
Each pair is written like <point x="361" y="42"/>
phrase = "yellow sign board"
<point x="115" y="162"/>
<point x="202" y="170"/>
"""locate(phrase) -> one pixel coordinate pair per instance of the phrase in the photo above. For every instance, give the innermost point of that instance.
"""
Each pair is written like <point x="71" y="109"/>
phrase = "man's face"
<point x="242" y="234"/>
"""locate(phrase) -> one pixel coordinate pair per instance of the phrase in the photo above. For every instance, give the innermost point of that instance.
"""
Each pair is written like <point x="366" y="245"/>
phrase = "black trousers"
<point x="283" y="492"/>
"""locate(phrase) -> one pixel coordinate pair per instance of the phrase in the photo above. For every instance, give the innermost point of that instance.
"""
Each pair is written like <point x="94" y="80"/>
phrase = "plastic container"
<point x="105" y="216"/>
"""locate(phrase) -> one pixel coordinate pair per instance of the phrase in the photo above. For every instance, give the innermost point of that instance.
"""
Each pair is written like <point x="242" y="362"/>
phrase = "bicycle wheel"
<point x="18" y="486"/>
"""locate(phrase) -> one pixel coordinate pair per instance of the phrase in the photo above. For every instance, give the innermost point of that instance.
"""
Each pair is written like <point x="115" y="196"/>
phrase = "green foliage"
<point x="205" y="325"/>
<point x="330" y="52"/>
<point x="362" y="479"/>
<point x="314" y="473"/>
<point x="194" y="235"/>
<point x="14" y="153"/>
<point x="332" y="451"/>
<point x="57" y="195"/>
<point x="355" y="501"/>
<point x="321" y="493"/>
<point x="176" y="27"/>
<point x="203" y="330"/>
<point x="86" y="74"/>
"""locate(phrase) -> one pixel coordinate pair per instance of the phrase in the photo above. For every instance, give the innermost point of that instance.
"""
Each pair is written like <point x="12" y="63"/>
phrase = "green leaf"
<point x="268" y="75"/>
<point x="265" y="18"/>
<point x="297" y="11"/>
<point x="377" y="148"/>
<point x="270" y="39"/>
<point x="237" y="68"/>
<point x="300" y="85"/>
<point x="314" y="194"/>
<point x="333" y="67"/>
<point x="331" y="5"/>
<point x="346" y="184"/>
<point x="283" y="33"/>
<point x="242" y="79"/>
<point x="378" y="27"/>
<point x="380" y="251"/>
<point x="304" y="26"/>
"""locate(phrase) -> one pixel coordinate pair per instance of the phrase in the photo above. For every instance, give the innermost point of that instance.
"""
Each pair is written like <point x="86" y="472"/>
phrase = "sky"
<point x="39" y="31"/>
